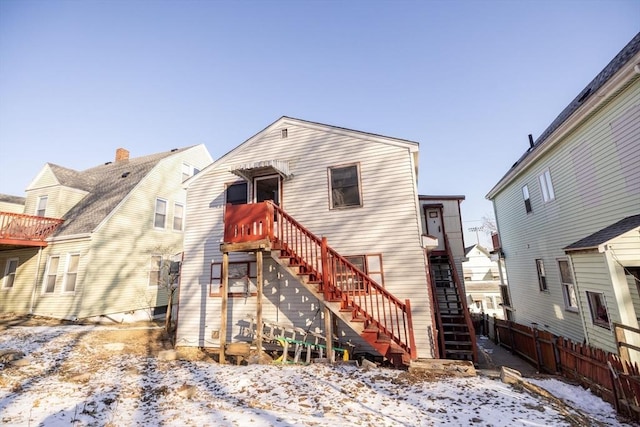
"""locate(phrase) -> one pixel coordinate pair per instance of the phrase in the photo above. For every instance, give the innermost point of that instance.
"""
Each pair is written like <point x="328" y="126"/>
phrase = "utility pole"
<point x="476" y="229"/>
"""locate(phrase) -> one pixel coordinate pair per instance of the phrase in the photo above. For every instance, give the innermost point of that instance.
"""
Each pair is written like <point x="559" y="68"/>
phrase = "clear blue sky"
<point x="468" y="80"/>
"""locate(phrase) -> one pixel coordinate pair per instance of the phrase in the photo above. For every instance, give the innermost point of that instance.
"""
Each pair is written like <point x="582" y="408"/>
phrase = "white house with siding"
<point x="357" y="190"/>
<point x="115" y="228"/>
<point x="567" y="213"/>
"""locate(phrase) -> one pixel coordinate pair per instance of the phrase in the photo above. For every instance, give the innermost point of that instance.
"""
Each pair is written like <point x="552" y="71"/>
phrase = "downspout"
<point x="35" y="281"/>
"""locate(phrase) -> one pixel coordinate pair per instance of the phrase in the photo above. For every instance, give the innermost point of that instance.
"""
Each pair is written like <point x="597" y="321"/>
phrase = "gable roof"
<point x="481" y="248"/>
<point x="608" y="233"/>
<point x="107" y="185"/>
<point x="412" y="145"/>
<point x="7" y="198"/>
<point x="587" y="95"/>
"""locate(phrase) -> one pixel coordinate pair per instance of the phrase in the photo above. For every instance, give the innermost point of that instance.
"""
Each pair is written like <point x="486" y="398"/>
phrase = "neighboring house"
<point x="13" y="204"/>
<point x="97" y="242"/>
<point x="567" y="213"/>
<point x="482" y="281"/>
<point x="357" y="190"/>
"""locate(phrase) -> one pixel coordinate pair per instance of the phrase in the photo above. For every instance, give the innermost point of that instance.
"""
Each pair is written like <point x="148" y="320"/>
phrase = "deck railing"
<point x="336" y="277"/>
<point x="28" y="230"/>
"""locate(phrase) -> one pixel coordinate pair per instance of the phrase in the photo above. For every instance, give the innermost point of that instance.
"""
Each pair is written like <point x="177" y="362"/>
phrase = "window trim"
<point x="65" y="280"/>
<point x="546" y="186"/>
<point x="42" y="211"/>
<point x="566" y="285"/>
<point x="173" y="222"/>
<point x="249" y="281"/>
<point x="10" y="274"/>
<point x="527" y="199"/>
<point x="165" y="214"/>
<point x="47" y="275"/>
<point x="598" y="300"/>
<point x="359" y="183"/>
<point x="542" y="275"/>
<point x="235" y="183"/>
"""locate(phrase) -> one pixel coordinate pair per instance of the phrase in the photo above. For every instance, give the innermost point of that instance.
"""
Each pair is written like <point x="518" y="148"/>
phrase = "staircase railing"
<point x="337" y="278"/>
<point x="461" y="297"/>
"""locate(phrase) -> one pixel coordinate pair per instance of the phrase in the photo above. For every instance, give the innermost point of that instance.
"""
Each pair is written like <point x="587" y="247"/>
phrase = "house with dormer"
<point x="568" y="215"/>
<point x="97" y="242"/>
<point x="314" y="229"/>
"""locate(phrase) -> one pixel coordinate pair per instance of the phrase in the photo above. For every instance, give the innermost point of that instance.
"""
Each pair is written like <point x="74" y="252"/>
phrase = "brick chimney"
<point x="122" y="154"/>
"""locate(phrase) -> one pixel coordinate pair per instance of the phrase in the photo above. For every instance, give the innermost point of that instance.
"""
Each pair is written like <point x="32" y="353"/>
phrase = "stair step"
<point x="461" y="343"/>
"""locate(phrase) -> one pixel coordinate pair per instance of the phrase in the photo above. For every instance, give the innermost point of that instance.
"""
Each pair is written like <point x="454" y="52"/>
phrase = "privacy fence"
<point x="615" y="380"/>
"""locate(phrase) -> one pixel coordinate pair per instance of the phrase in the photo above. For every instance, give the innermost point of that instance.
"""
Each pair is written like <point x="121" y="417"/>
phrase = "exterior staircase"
<point x="374" y="313"/>
<point x="456" y="335"/>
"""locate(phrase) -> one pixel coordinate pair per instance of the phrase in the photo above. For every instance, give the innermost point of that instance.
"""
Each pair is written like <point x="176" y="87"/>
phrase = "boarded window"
<point x="344" y="187"/>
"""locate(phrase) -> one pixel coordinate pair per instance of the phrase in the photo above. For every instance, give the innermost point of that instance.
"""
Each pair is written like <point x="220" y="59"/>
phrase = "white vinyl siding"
<point x="388" y="223"/>
<point x="576" y="214"/>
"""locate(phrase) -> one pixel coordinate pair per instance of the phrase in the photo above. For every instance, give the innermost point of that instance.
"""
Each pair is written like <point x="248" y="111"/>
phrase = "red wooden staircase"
<point x="378" y="316"/>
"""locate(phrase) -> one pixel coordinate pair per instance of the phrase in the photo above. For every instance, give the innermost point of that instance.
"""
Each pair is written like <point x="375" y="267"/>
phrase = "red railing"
<point x="337" y="278"/>
<point x="28" y="230"/>
<point x="461" y="297"/>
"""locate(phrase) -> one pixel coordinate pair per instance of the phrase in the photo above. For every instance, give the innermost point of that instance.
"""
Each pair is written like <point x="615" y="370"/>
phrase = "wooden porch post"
<point x="259" y="264"/>
<point x="223" y="307"/>
<point x="328" y="327"/>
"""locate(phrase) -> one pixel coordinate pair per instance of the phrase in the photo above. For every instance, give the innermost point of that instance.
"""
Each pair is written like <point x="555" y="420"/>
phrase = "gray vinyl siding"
<point x="387" y="222"/>
<point x="578" y="210"/>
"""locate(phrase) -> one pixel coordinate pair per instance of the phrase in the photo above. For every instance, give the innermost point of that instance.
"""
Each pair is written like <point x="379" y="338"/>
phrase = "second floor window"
<point x="51" y="275"/>
<point x="527" y="200"/>
<point x="546" y="186"/>
<point x="160" y="216"/>
<point x="42" y="206"/>
<point x="344" y="187"/>
<point x="10" y="272"/>
<point x="178" y="215"/>
<point x="542" y="275"/>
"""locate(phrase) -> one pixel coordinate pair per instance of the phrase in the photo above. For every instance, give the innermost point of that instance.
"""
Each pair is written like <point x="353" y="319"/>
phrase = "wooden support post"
<point x="328" y="328"/>
<point x="223" y="307"/>
<point x="259" y="267"/>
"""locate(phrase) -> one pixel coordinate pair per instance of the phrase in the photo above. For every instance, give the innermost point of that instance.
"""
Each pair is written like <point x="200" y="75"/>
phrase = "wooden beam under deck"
<point x="258" y="245"/>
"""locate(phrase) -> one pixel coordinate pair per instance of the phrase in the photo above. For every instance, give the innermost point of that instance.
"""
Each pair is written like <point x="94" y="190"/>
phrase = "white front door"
<point x="435" y="227"/>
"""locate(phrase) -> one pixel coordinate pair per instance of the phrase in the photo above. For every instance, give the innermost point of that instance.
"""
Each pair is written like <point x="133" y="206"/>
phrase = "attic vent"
<point x="284" y="133"/>
<point x="584" y="95"/>
<point x="173" y="150"/>
<point x="125" y="174"/>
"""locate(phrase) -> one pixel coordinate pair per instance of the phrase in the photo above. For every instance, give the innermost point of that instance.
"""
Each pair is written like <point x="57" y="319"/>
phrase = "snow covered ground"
<point x="68" y="382"/>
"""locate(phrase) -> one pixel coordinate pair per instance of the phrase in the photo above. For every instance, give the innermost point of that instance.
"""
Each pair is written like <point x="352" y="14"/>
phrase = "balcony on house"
<point x="19" y="230"/>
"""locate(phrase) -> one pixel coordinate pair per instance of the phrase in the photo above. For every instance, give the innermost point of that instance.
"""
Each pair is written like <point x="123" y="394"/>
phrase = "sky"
<point x="468" y="80"/>
<point x="66" y="378"/>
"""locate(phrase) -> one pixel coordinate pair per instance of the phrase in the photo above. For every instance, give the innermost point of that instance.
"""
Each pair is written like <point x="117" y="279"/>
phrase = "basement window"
<point x="242" y="279"/>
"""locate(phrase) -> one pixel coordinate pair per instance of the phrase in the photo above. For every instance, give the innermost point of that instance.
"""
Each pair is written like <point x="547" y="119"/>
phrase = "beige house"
<point x="97" y="242"/>
<point x="567" y="213"/>
<point x="315" y="228"/>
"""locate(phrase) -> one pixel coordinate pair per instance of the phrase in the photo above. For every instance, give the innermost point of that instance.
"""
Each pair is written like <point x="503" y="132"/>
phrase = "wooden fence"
<point x="615" y="380"/>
